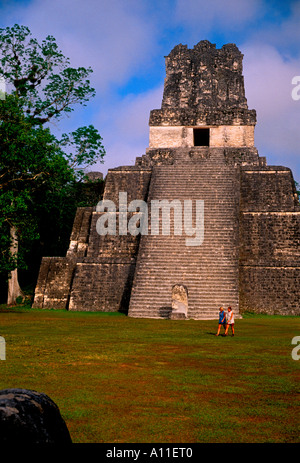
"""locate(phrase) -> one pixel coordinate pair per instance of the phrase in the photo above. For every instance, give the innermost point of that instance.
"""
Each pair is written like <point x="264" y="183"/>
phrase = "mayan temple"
<point x="201" y="150"/>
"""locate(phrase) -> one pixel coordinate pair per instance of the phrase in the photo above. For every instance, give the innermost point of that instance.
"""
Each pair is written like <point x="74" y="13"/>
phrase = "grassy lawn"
<point x="119" y="379"/>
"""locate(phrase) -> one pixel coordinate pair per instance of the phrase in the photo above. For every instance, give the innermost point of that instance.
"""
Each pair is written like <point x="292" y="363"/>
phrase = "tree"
<point x="42" y="87"/>
<point x="40" y="75"/>
<point x="29" y="159"/>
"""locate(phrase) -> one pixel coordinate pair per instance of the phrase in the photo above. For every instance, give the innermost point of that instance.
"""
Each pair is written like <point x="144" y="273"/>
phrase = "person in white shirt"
<point x="230" y="321"/>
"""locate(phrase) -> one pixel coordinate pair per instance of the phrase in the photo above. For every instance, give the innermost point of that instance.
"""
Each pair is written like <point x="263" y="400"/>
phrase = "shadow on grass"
<point x="219" y="335"/>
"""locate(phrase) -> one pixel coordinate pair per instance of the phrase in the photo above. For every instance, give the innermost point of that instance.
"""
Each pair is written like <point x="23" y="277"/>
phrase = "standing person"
<point x="222" y="320"/>
<point x="230" y="322"/>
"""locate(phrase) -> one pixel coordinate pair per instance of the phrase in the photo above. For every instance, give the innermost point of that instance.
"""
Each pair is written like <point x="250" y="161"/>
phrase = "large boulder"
<point x="30" y="417"/>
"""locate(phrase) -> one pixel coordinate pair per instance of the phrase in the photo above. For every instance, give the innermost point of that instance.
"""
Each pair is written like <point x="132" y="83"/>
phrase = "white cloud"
<point x="268" y="84"/>
<point x="125" y="129"/>
<point x="113" y="37"/>
<point x="205" y="15"/>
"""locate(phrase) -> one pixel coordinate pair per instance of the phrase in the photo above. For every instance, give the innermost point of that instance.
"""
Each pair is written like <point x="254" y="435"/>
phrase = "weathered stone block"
<point x="204" y="77"/>
<point x="179" y="302"/>
<point x="220" y="136"/>
<point x="102" y="286"/>
<point x="53" y="286"/>
<point x="29" y="417"/>
<point x="270" y="290"/>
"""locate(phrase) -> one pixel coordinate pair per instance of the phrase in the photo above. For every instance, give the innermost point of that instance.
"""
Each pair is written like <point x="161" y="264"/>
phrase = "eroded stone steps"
<point x="209" y="271"/>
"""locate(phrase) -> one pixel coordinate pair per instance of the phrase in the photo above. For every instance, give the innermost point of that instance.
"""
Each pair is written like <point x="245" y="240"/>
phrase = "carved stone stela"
<point x="179" y="302"/>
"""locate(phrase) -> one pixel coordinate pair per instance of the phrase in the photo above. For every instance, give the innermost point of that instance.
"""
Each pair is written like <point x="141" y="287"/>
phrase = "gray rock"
<point x="30" y="417"/>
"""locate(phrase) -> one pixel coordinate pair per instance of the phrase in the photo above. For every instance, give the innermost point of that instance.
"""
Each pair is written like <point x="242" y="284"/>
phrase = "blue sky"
<point x="125" y="42"/>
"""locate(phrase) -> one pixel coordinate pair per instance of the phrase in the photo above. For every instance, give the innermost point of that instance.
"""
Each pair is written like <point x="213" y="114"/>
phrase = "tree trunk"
<point x="14" y="289"/>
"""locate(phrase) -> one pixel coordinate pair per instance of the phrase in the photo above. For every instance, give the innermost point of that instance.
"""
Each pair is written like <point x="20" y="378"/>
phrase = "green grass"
<point x="119" y="379"/>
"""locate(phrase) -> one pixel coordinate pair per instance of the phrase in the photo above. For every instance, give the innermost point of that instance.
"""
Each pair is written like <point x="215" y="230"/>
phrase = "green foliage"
<point x="39" y="175"/>
<point x="31" y="161"/>
<point x="41" y="76"/>
<point x="86" y="142"/>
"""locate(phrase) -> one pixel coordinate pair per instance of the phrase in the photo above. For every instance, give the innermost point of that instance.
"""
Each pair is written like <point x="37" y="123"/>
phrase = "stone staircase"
<point x="210" y="271"/>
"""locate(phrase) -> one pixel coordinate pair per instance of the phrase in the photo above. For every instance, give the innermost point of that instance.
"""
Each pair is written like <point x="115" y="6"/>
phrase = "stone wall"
<point x="269" y="189"/>
<point x="130" y="179"/>
<point x="80" y="232"/>
<point x="272" y="290"/>
<point x="97" y="272"/>
<point x="198" y="118"/>
<point x="269" y="241"/>
<point x="54" y="282"/>
<point x="168" y="156"/>
<point x="102" y="286"/>
<point x="220" y="136"/>
<point x="204" y="77"/>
